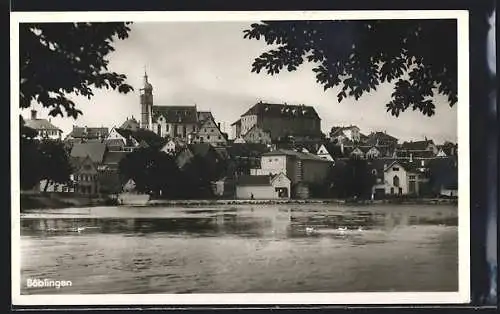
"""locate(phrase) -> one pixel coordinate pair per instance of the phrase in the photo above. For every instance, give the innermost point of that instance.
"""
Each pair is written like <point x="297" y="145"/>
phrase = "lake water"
<point x="244" y="248"/>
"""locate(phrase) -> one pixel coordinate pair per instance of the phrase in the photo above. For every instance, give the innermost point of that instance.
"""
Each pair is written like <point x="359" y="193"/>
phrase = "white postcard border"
<point x="462" y="296"/>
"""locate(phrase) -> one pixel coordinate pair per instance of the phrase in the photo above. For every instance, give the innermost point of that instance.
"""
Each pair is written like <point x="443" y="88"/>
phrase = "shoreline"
<point x="303" y="201"/>
<point x="28" y="202"/>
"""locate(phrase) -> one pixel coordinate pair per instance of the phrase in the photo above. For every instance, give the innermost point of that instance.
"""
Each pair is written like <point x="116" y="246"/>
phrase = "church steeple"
<point x="146" y="85"/>
<point x="146" y="103"/>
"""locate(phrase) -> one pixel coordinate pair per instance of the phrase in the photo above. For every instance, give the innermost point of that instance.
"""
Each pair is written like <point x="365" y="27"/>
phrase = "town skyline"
<point x="194" y="73"/>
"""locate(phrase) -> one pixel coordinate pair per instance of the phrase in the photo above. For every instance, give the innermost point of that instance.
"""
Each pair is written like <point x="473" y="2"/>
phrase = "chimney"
<point x="33" y="114"/>
<point x="218" y="125"/>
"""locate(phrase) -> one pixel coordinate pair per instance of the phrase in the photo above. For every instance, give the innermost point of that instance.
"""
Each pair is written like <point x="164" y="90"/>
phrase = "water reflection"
<point x="310" y="248"/>
<point x="242" y="222"/>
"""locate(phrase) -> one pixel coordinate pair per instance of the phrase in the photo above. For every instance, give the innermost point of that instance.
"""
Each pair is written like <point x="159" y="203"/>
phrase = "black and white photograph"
<point x="240" y="157"/>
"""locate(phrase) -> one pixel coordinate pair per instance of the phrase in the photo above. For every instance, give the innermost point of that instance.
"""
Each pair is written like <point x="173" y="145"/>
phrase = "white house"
<point x="172" y="146"/>
<point x="324" y="153"/>
<point x="403" y="178"/>
<point x="373" y="152"/>
<point x="44" y="127"/>
<point x="263" y="187"/>
<point x="352" y="133"/>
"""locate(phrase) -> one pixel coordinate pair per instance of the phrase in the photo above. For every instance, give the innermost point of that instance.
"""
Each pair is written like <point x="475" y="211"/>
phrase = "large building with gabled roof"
<point x="280" y="121"/>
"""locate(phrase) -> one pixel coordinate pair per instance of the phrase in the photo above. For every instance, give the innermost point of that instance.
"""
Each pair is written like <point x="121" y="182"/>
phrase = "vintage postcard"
<point x="212" y="158"/>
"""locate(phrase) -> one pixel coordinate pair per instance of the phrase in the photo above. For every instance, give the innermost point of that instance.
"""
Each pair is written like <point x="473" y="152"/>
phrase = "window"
<point x="212" y="130"/>
<point x="168" y="127"/>
<point x="220" y="137"/>
<point x="412" y="177"/>
<point x="208" y="137"/>
<point x="374" y="172"/>
<point x="158" y="131"/>
<point x="395" y="168"/>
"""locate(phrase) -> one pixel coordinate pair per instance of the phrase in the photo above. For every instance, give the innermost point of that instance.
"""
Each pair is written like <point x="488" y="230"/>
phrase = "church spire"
<point x="145" y="76"/>
<point x="147" y="86"/>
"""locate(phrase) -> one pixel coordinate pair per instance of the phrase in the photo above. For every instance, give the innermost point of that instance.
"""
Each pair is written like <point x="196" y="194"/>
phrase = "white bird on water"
<point x="309" y="230"/>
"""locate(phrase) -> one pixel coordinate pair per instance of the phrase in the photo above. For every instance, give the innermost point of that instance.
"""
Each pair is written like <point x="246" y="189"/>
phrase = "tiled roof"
<point x="176" y="114"/>
<point x="88" y="132"/>
<point x="248" y="180"/>
<point x="414" y="154"/>
<point x="204" y="115"/>
<point x="375" y="138"/>
<point x="114" y="142"/>
<point x="130" y="124"/>
<point x="338" y="130"/>
<point x="282" y="110"/>
<point x="418" y="145"/>
<point x="140" y="135"/>
<point x="40" y="124"/>
<point x="299" y="155"/>
<point x="111" y="157"/>
<point x="94" y="150"/>
<point x="333" y="150"/>
<point x="408" y="166"/>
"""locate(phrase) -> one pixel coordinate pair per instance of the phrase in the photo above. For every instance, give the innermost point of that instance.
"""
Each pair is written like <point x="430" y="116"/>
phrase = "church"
<point x="181" y="122"/>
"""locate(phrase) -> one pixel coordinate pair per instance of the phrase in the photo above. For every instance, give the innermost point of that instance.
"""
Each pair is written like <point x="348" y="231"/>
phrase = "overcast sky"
<point x="209" y="63"/>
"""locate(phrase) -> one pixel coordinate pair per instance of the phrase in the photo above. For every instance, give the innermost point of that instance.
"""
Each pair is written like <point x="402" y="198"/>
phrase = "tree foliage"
<point x="419" y="57"/>
<point x="58" y="59"/>
<point x="153" y="171"/>
<point x="351" y="178"/>
<point x="53" y="162"/>
<point x="42" y="160"/>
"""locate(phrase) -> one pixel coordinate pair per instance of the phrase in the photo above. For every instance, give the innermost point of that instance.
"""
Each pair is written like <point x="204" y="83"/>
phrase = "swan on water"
<point x="309" y="229"/>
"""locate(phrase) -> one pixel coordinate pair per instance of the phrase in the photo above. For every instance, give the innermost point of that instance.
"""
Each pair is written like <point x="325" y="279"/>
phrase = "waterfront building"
<point x="404" y="178"/>
<point x="268" y="187"/>
<point x="303" y="169"/>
